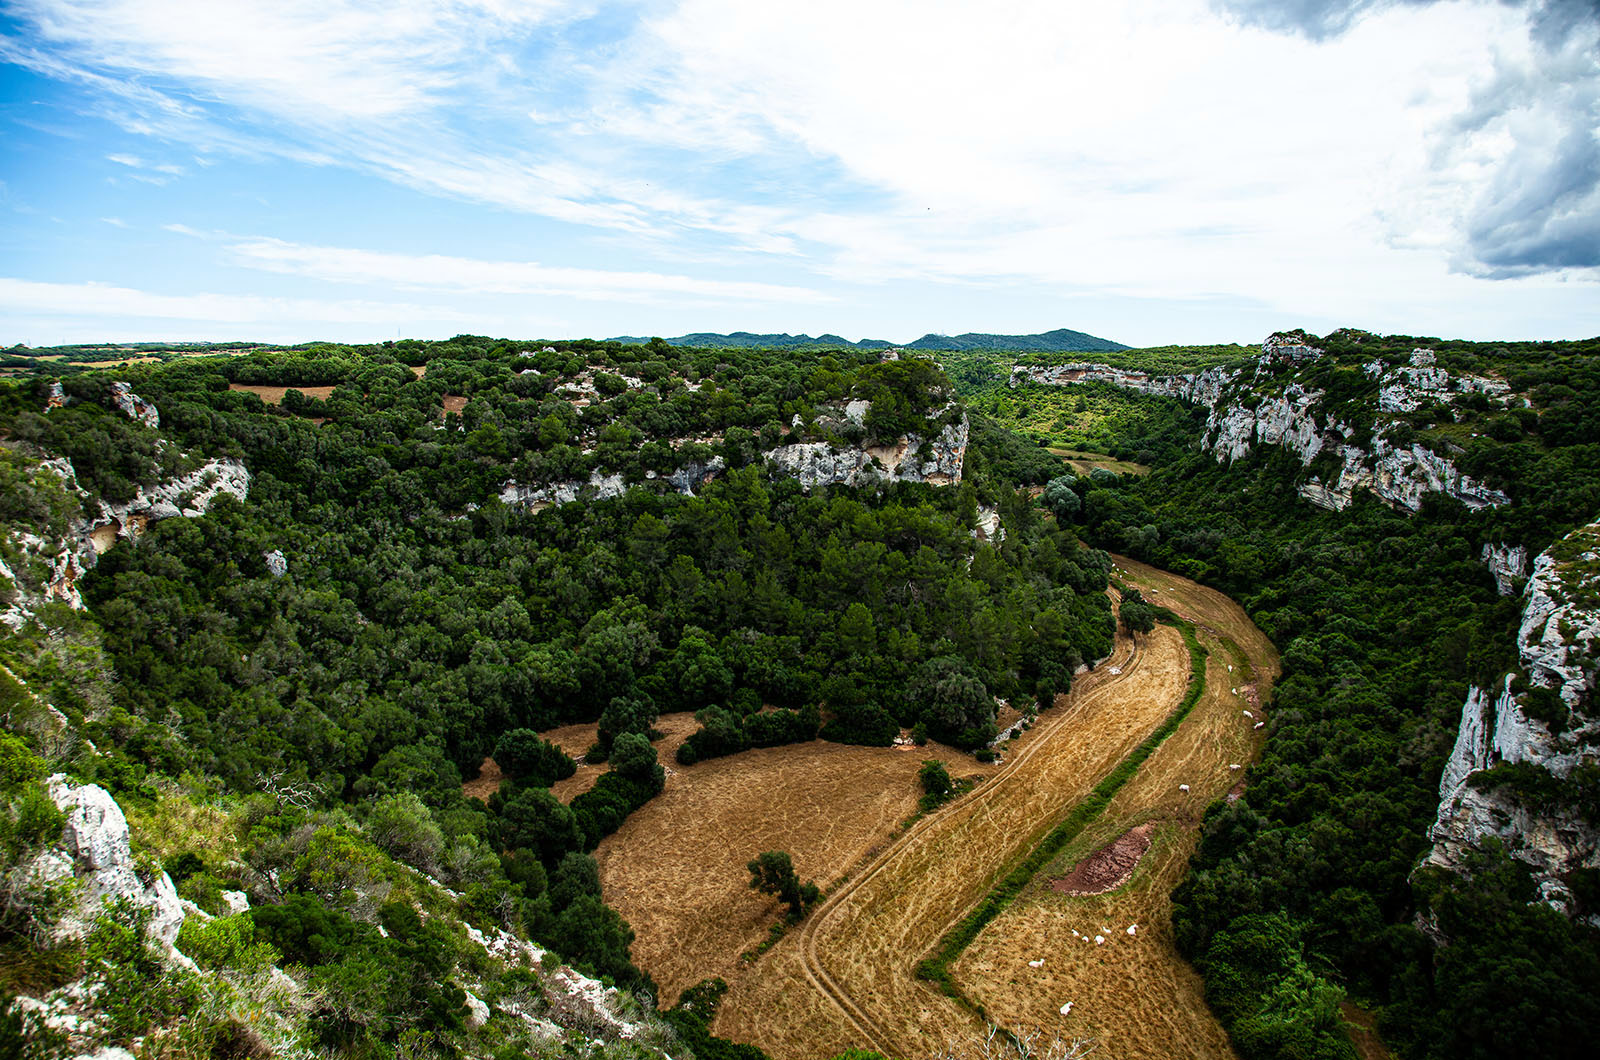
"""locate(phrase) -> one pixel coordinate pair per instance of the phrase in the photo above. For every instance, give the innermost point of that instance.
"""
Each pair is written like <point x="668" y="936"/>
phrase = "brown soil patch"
<point x="1363" y="1029"/>
<point x="273" y="395"/>
<point x="576" y="739"/>
<point x="488" y="782"/>
<point x="1109" y="867"/>
<point x="454" y="403"/>
<point x="419" y="370"/>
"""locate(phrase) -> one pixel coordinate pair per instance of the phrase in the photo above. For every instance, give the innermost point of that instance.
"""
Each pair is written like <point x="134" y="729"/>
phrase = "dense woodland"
<point x="423" y="624"/>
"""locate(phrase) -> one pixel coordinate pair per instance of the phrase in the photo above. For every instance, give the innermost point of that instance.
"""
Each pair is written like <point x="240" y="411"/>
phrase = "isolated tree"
<point x="773" y="873"/>
<point x="1138" y="616"/>
<point x="1061" y="498"/>
<point x="529" y="759"/>
<point x="935" y="779"/>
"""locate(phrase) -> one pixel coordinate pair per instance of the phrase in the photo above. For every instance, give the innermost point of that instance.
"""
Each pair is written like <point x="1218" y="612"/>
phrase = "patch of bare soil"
<point x="1109" y="867"/>
<point x="488" y="782"/>
<point x="454" y="403"/>
<point x="1363" y="1030"/>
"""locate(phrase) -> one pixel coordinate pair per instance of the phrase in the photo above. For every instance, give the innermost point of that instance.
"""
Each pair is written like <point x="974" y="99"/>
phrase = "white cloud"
<point x="80" y="300"/>
<point x="442" y="272"/>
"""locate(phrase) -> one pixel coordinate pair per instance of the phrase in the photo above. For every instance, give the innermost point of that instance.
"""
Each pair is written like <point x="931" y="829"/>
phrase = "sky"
<point x="1150" y="171"/>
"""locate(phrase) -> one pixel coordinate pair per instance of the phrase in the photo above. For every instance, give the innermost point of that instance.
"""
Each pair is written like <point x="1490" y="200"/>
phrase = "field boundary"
<point x="935" y="968"/>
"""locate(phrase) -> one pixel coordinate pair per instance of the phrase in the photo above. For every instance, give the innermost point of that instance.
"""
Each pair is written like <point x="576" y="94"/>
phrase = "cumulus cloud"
<point x="1529" y="140"/>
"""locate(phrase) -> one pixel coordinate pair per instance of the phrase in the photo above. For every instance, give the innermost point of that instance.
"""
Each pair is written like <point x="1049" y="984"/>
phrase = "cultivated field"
<point x="676" y="868"/>
<point x="1134" y="994"/>
<point x="859" y="950"/>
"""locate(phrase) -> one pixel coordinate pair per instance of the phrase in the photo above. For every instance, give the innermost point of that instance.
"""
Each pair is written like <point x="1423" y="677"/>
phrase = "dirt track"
<point x="856" y="954"/>
<point x="1134" y="994"/>
<point x="858" y="951"/>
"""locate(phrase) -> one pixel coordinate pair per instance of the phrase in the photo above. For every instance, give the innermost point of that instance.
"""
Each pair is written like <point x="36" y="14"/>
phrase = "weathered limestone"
<point x="1557" y="650"/>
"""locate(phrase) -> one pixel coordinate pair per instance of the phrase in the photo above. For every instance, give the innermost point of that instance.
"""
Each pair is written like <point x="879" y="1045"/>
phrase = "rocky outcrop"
<point x="1254" y="405"/>
<point x="938" y="460"/>
<point x="567" y="1005"/>
<point x="1400" y="476"/>
<point x="1508" y="564"/>
<point x="66" y="556"/>
<point x="93" y="852"/>
<point x="134" y="406"/>
<point x="1558" y="647"/>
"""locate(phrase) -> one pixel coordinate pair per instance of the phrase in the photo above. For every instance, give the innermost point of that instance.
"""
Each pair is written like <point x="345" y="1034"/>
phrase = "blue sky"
<point x="1154" y="172"/>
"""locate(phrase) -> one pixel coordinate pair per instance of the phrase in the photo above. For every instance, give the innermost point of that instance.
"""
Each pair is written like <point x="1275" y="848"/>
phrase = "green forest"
<point x="421" y="623"/>
<point x="288" y="693"/>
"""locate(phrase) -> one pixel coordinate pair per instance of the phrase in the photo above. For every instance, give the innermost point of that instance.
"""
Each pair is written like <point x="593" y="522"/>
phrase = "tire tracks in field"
<point x="872" y="1034"/>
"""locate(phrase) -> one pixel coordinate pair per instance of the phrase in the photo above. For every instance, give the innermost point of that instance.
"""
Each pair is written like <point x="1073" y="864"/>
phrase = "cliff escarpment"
<point x="1527" y="753"/>
<point x="1362" y="439"/>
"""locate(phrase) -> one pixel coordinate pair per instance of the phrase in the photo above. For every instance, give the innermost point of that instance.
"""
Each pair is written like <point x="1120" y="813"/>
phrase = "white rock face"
<point x="78" y="549"/>
<point x="277" y="564"/>
<point x="134" y="406"/>
<point x="1508" y="564"/>
<point x="1240" y="419"/>
<point x="938" y="460"/>
<point x="1557" y="650"/>
<point x="94" y="848"/>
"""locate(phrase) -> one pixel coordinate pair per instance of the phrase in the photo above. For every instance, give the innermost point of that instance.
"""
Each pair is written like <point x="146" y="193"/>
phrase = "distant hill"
<point x="1058" y="341"/>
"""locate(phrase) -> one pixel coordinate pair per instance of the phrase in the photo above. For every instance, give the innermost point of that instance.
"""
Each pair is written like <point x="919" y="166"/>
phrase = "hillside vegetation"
<point x="1307" y="889"/>
<point x="286" y="692"/>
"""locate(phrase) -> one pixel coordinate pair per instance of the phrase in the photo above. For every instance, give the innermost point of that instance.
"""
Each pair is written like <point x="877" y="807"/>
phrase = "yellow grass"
<point x="676" y="868"/>
<point x="273" y="395"/>
<point x="1134" y="994"/>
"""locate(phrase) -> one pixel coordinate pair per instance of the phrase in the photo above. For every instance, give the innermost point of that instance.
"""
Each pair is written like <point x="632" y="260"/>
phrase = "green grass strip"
<point x="936" y="967"/>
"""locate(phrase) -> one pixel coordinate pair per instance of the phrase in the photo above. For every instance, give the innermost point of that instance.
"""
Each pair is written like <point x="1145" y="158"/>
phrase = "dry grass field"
<point x="860" y="948"/>
<point x="1083" y="462"/>
<point x="1135" y="995"/>
<point x="676" y="868"/>
<point x="273" y="395"/>
<point x="846" y="978"/>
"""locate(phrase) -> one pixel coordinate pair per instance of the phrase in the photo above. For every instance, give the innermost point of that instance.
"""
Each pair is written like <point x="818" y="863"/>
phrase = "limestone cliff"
<point x="938" y="460"/>
<point x="1266" y="403"/>
<point x="1543" y="716"/>
<point x="47" y="561"/>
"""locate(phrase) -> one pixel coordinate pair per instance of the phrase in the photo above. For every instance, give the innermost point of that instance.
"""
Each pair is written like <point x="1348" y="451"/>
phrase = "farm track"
<point x="846" y="977"/>
<point x="990" y="792"/>
<point x="857" y="952"/>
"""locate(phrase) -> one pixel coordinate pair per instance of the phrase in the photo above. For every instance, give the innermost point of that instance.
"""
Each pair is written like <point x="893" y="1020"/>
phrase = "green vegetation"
<point x="303" y="735"/>
<point x="772" y="872"/>
<point x="1309" y="885"/>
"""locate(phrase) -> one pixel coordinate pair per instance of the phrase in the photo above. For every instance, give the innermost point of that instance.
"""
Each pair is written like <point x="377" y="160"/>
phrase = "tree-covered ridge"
<point x="342" y="647"/>
<point x="1046" y="341"/>
<point x="1307" y="887"/>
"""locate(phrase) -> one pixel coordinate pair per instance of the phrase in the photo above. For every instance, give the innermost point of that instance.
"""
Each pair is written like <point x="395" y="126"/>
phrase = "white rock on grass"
<point x="95" y="838"/>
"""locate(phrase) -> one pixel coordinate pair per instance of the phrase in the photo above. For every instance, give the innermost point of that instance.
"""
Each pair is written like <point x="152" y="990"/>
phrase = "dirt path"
<point x="856" y="954"/>
<point x="1135" y="994"/>
<point x="676" y="869"/>
<point x="858" y="951"/>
